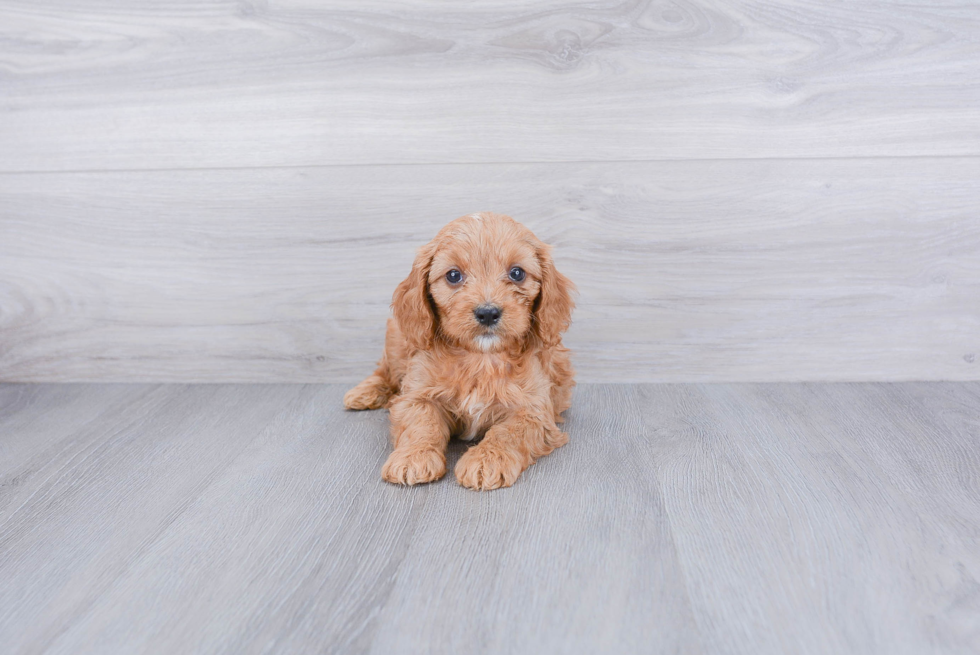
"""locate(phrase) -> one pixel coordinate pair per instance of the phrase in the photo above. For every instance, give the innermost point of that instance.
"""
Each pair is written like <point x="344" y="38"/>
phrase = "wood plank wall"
<point x="229" y="191"/>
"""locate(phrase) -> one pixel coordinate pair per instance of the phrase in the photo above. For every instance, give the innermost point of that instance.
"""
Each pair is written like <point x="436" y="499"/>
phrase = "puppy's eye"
<point x="454" y="276"/>
<point x="516" y="274"/>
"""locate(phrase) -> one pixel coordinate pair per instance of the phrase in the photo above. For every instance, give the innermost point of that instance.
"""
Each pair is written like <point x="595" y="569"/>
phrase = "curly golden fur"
<point x="474" y="349"/>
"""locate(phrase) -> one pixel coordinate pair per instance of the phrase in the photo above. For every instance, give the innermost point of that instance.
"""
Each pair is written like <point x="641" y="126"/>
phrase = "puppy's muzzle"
<point x="487" y="315"/>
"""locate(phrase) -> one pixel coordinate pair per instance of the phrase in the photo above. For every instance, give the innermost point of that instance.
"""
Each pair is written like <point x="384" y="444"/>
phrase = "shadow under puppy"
<point x="474" y="349"/>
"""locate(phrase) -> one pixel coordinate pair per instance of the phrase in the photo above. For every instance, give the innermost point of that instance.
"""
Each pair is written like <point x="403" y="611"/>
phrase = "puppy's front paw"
<point x="484" y="467"/>
<point x="414" y="466"/>
<point x="372" y="393"/>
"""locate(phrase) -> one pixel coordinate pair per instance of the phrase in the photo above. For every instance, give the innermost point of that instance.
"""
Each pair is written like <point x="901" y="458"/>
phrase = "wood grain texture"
<point x="546" y="566"/>
<point x="93" y="85"/>
<point x="797" y="505"/>
<point x="77" y="516"/>
<point x="688" y="271"/>
<point x="720" y="518"/>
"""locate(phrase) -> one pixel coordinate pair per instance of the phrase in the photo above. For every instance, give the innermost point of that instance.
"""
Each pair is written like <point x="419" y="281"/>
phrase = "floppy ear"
<point x="412" y="305"/>
<point x="554" y="304"/>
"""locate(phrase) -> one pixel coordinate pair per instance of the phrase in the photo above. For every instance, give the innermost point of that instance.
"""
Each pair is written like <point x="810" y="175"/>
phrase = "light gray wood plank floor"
<point x="715" y="518"/>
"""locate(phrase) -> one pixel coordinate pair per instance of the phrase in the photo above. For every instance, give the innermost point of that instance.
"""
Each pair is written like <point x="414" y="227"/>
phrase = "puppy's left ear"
<point x="554" y="304"/>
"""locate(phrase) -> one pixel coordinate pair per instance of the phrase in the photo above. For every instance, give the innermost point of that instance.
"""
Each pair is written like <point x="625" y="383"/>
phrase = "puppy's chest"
<point x="478" y="407"/>
<point x="473" y="417"/>
<point x="480" y="391"/>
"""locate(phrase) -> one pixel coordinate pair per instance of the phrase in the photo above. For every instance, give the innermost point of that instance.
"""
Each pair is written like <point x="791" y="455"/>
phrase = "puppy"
<point x="474" y="349"/>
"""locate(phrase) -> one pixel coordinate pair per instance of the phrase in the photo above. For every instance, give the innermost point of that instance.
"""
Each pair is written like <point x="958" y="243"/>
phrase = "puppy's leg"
<point x="420" y="432"/>
<point x="508" y="448"/>
<point x="375" y="391"/>
<point x="562" y="377"/>
<point x="371" y="393"/>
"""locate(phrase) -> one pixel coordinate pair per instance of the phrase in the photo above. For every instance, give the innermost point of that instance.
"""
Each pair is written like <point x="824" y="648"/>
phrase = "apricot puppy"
<point x="474" y="349"/>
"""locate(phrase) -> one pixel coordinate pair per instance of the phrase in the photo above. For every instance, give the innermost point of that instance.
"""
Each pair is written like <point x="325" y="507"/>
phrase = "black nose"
<point x="487" y="315"/>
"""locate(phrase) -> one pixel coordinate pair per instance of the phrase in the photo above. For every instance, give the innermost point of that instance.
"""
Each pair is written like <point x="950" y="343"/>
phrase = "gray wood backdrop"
<point x="229" y="191"/>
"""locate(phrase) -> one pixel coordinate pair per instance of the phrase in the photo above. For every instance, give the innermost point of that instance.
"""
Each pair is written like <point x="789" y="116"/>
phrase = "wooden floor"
<point x="709" y="518"/>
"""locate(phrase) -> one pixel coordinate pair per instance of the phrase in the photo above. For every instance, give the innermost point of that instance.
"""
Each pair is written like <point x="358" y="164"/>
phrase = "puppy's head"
<point x="485" y="283"/>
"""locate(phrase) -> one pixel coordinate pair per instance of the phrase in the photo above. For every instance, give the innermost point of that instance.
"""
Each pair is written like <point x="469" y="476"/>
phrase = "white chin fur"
<point x="487" y="341"/>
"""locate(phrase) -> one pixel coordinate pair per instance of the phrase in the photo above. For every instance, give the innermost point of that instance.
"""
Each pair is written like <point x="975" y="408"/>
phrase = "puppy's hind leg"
<point x="371" y="393"/>
<point x="377" y="389"/>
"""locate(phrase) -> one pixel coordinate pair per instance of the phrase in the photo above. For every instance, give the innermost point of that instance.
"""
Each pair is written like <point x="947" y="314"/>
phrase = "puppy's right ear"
<point x="412" y="305"/>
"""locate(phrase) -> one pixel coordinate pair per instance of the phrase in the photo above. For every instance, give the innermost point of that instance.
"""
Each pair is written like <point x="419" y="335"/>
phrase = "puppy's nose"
<point x="487" y="315"/>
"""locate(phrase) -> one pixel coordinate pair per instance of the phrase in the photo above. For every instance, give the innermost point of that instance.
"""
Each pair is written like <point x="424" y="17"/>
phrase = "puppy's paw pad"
<point x="484" y="468"/>
<point x="414" y="466"/>
<point x="369" y="394"/>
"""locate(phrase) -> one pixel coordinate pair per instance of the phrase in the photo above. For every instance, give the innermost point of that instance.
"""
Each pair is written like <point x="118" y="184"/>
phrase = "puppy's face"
<point x="485" y="283"/>
<point x="484" y="279"/>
